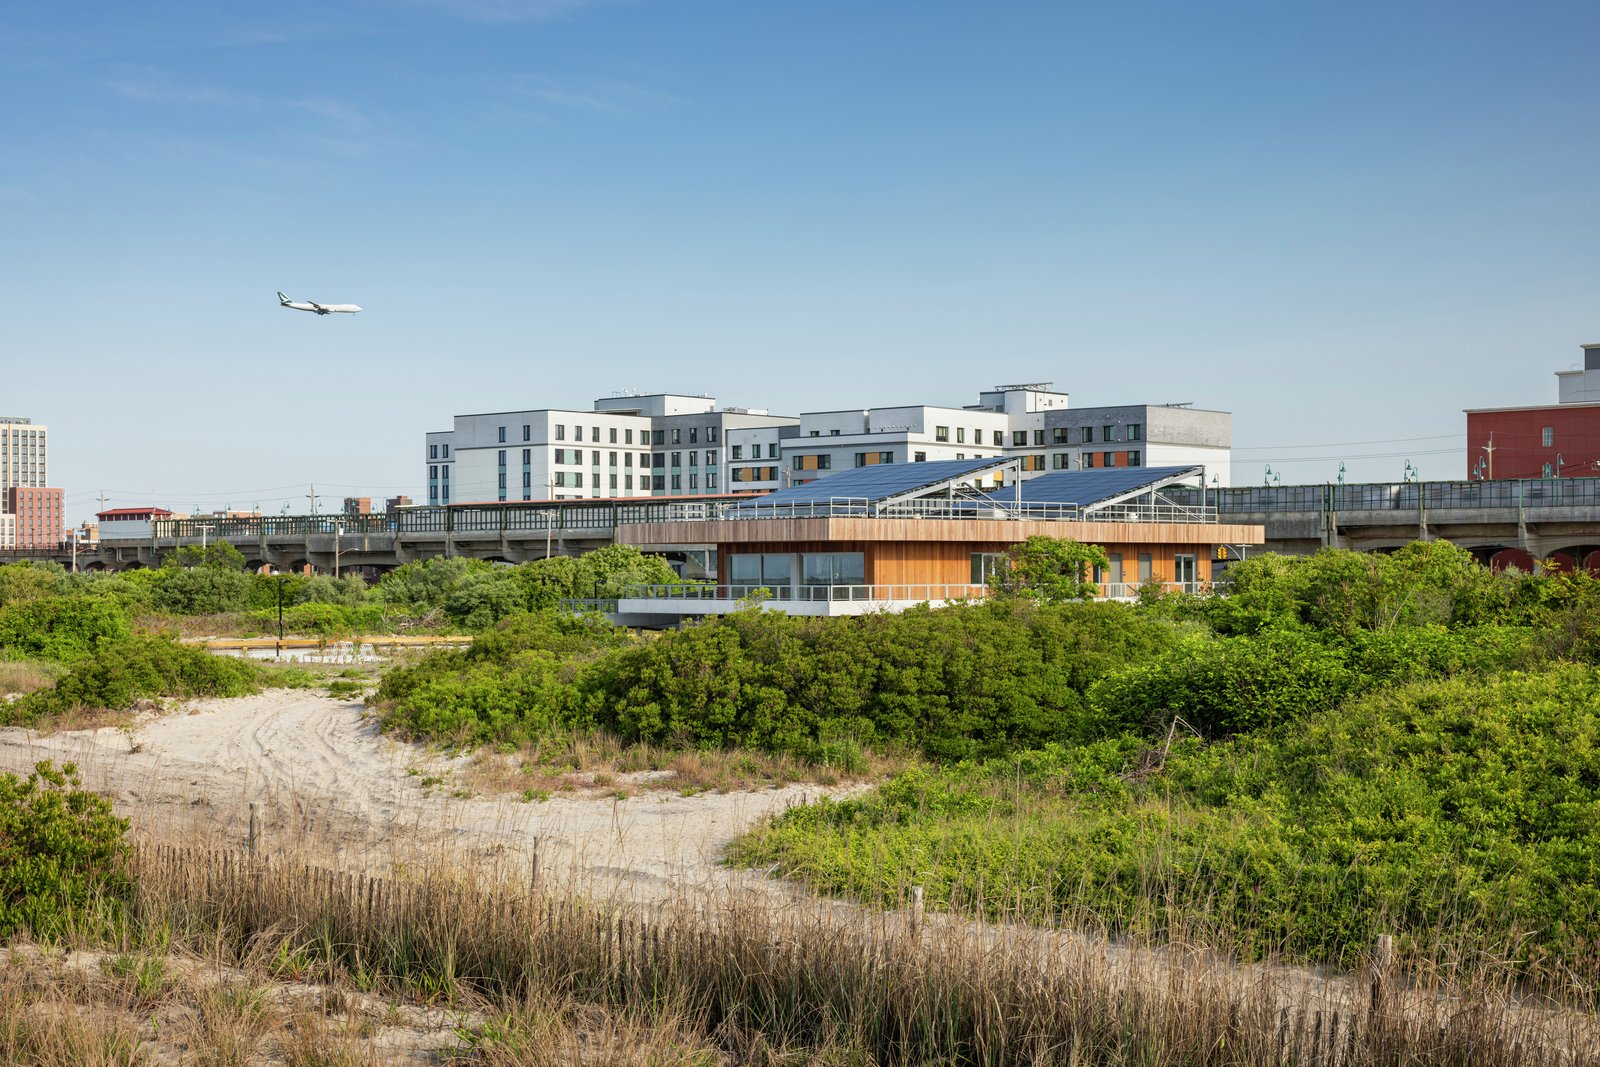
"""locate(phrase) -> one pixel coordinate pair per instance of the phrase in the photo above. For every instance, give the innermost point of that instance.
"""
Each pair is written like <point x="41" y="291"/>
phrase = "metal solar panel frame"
<point x="1159" y="478"/>
<point x="938" y="475"/>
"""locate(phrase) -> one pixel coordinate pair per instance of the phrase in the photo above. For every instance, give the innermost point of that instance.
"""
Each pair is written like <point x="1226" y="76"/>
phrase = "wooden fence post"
<point x="1382" y="960"/>
<point x="250" y="841"/>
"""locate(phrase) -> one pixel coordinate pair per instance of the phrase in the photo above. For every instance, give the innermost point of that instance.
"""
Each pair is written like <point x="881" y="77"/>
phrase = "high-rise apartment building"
<point x="38" y="515"/>
<point x="24" y="464"/>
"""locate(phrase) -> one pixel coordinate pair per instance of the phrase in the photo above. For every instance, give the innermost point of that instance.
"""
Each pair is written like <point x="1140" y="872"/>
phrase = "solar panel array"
<point x="1086" y="487"/>
<point x="875" y="482"/>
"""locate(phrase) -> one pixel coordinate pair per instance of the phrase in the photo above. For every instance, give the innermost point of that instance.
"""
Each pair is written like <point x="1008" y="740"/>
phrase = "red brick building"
<point x="40" y="515"/>
<point x="1560" y="440"/>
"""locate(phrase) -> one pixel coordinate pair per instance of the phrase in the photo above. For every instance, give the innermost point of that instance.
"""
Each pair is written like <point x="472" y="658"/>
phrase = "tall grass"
<point x="756" y="976"/>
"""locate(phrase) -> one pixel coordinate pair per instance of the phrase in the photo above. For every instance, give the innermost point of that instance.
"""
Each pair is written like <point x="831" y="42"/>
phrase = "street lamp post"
<point x="282" y="578"/>
<point x="338" y="537"/>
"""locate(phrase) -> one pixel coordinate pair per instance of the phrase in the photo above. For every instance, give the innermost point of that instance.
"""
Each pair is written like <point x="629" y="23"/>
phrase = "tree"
<point x="1051" y="569"/>
<point x="218" y="555"/>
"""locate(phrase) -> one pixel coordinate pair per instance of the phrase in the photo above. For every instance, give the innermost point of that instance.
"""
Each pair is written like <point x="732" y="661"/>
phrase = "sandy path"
<point x="324" y="779"/>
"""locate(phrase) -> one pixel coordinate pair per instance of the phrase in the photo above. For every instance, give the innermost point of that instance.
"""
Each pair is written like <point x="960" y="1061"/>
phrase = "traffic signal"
<point x="1222" y="551"/>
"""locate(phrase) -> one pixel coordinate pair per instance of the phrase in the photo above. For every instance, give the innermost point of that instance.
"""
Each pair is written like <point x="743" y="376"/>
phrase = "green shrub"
<point x="137" y="668"/>
<point x="60" y="628"/>
<point x="60" y="851"/>
<point x="1462" y="814"/>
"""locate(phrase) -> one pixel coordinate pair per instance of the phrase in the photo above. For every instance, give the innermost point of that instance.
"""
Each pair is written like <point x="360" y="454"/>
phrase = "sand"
<point x="324" y="780"/>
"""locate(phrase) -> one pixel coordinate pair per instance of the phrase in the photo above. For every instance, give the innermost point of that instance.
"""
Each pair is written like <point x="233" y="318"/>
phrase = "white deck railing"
<point x="860" y="507"/>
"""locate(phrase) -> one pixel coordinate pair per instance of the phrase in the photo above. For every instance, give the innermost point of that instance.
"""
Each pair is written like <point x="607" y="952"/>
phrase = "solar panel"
<point x="1083" y="488"/>
<point x="876" y="482"/>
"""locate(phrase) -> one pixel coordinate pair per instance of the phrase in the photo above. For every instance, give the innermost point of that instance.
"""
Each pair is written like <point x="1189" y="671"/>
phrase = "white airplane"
<point x="320" y="309"/>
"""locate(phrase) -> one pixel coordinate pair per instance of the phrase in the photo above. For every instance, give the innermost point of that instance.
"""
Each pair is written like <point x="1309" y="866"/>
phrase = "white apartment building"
<point x="24" y="462"/>
<point x="670" y="444"/>
<point x="662" y="444"/>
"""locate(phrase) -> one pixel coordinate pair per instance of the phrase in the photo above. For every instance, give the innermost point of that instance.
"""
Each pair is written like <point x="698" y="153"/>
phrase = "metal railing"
<point x="1397" y="496"/>
<point x="859" y="507"/>
<point x="1130" y="590"/>
<point x="913" y="593"/>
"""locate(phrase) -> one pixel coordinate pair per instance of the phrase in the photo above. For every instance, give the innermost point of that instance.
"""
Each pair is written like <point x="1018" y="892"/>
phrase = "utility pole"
<point x="313" y="497"/>
<point x="338" y="537"/>
<point x="1489" y="448"/>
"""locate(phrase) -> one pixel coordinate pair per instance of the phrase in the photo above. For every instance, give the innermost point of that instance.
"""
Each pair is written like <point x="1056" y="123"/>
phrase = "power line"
<point x="1353" y="444"/>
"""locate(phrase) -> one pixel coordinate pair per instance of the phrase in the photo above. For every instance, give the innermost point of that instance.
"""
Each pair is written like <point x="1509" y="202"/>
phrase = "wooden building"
<point x="887" y="537"/>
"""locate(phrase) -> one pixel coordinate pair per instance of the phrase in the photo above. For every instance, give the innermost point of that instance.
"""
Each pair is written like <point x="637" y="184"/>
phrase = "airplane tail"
<point x="282" y="299"/>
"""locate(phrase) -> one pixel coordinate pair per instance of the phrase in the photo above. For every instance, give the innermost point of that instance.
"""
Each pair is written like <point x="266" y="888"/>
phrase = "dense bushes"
<point x="137" y="668"/>
<point x="60" y="850"/>
<point x="970" y="680"/>
<point x="1453" y="813"/>
<point x="60" y="628"/>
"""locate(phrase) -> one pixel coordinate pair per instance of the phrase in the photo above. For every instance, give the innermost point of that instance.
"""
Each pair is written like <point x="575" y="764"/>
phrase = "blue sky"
<point x="1343" y="223"/>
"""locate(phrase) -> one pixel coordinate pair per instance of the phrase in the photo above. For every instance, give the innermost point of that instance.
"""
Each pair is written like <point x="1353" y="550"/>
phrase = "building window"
<point x="1547" y="470"/>
<point x="986" y="565"/>
<point x="677" y="482"/>
<point x="1061" y="461"/>
<point x="1109" y="459"/>
<point x="711" y="480"/>
<point x="657" y="437"/>
<point x="1135" y="459"/>
<point x="502" y="457"/>
<point x="833" y="433"/>
<point x="433" y="451"/>
<point x="561" y="432"/>
<point x="433" y="472"/>
<point x="658" y="482"/>
<point x="1110" y="433"/>
<point x="1088" y="435"/>
<point x="711" y="458"/>
<point x="820" y="570"/>
<point x="919" y="457"/>
<point x="941" y="433"/>
<point x="677" y="459"/>
<point x="658" y="459"/>
<point x="527" y="456"/>
<point x="502" y="435"/>
<point x="961" y="435"/>
<point x="694" y="481"/>
<point x="613" y="485"/>
<point x="527" y="482"/>
<point x="1019" y="437"/>
<point x="1033" y="463"/>
<point x="611" y="439"/>
<point x="627" y="481"/>
<point x="627" y="459"/>
<point x="738" y="452"/>
<point x="627" y="436"/>
<point x="813" y="462"/>
<point x="677" y="436"/>
<point x="1547" y="436"/>
<point x="1088" y="460"/>
<point x="594" y="458"/>
<point x="1058" y="436"/>
<point x="1038" y="437"/>
<point x="999" y="438"/>
<point x="527" y="432"/>
<point x="1135" y="431"/>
